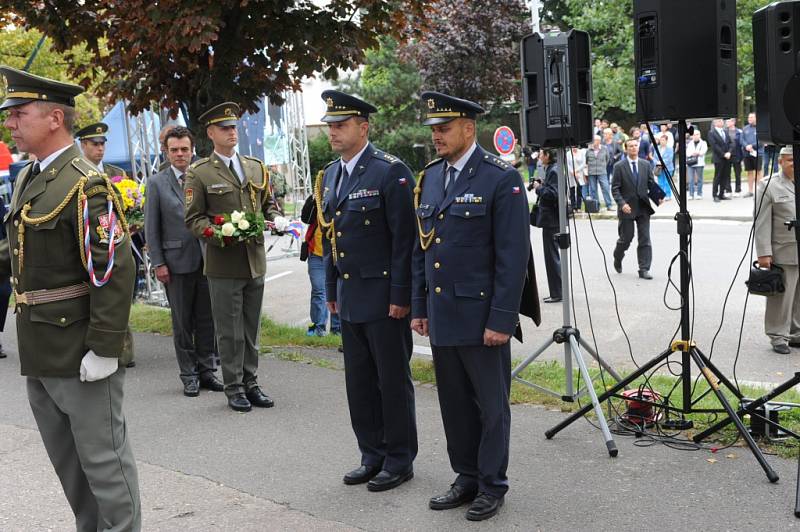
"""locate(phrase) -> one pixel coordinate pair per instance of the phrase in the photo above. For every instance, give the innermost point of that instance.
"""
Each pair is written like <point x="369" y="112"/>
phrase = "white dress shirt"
<point x="237" y="164"/>
<point x="459" y="164"/>
<point x="44" y="163"/>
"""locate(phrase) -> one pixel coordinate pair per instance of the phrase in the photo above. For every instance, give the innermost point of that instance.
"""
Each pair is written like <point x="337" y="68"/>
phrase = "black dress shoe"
<point x="781" y="349"/>
<point x="212" y="383"/>
<point x="386" y="480"/>
<point x="259" y="398"/>
<point x="191" y="389"/>
<point x="484" y="506"/>
<point x="361" y="474"/>
<point x="644" y="274"/>
<point x="131" y="364"/>
<point x="552" y="300"/>
<point x="724" y="198"/>
<point x="617" y="266"/>
<point x="455" y="497"/>
<point x="239" y="402"/>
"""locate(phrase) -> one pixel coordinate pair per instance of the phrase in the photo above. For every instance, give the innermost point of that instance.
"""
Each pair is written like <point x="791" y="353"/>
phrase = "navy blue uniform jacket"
<point x="374" y="224"/>
<point x="471" y="277"/>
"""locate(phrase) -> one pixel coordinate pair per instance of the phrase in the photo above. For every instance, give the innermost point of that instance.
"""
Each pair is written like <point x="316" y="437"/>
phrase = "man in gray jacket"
<point x="775" y="245"/>
<point x="178" y="259"/>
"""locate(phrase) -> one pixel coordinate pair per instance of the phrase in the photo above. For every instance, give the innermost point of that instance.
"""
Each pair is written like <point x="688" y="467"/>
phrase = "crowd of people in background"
<point x="732" y="151"/>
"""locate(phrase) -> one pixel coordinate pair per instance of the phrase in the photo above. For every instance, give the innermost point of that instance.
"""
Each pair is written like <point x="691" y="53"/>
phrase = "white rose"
<point x="243" y="224"/>
<point x="236" y="216"/>
<point x="228" y="229"/>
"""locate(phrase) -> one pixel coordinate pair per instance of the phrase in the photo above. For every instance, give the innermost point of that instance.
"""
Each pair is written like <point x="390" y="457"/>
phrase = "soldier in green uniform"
<point x="215" y="186"/>
<point x="68" y="254"/>
<point x="93" y="143"/>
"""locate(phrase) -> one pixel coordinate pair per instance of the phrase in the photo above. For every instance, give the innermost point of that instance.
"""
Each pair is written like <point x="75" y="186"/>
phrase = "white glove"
<point x="281" y="223"/>
<point x="95" y="368"/>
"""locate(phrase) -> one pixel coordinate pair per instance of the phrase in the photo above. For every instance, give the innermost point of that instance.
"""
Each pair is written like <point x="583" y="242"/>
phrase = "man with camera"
<point x="777" y="246"/>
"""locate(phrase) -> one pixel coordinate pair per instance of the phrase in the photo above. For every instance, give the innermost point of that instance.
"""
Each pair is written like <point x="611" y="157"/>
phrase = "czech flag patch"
<point x="402" y="181"/>
<point x="516" y="190"/>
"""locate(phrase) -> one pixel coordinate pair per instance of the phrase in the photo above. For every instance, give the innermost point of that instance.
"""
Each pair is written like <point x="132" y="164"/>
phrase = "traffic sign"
<point x="504" y="140"/>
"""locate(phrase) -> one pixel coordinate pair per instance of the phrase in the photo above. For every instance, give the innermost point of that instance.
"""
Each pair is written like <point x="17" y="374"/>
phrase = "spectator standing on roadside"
<point x="668" y="156"/>
<point x="597" y="157"/>
<point x="576" y="166"/>
<point x="696" y="150"/>
<point x="753" y="155"/>
<point x="737" y="154"/>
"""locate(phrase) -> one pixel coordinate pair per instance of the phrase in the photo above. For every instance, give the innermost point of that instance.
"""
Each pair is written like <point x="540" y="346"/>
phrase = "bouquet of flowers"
<point x="236" y="226"/>
<point x="132" y="194"/>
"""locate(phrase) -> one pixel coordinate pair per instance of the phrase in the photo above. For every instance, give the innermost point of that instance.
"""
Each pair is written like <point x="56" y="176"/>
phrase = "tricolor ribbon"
<point x="88" y="244"/>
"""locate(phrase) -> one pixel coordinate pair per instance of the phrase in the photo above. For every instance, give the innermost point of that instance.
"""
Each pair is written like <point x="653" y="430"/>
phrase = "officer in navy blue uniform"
<point x="366" y="212"/>
<point x="469" y="268"/>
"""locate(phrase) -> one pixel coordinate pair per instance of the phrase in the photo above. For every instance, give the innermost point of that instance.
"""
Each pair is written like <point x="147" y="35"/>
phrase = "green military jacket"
<point x="46" y="253"/>
<point x="212" y="190"/>
<point x="112" y="171"/>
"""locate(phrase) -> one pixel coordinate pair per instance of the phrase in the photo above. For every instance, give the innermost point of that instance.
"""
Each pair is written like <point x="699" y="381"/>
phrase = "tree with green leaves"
<point x="195" y="53"/>
<point x="16" y="47"/>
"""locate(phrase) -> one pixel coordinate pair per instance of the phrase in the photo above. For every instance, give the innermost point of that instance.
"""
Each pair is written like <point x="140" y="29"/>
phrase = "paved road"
<point x="204" y="467"/>
<point x="720" y="242"/>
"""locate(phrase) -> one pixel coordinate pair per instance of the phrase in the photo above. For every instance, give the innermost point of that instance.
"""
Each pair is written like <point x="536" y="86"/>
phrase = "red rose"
<point x="219" y="220"/>
<point x="208" y="232"/>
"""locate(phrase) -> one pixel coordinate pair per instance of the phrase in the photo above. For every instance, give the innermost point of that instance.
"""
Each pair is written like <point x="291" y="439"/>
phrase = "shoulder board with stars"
<point x="84" y="167"/>
<point x="254" y="159"/>
<point x="433" y="162"/>
<point x="496" y="161"/>
<point x="198" y="162"/>
<point x="383" y="156"/>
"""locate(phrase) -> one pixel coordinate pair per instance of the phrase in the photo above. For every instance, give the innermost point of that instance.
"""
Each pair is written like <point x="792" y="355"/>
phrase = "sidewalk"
<point x="736" y="209"/>
<point x="204" y="467"/>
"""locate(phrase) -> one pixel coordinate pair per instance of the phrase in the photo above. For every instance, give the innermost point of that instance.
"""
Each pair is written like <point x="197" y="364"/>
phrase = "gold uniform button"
<point x="346" y="276"/>
<point x="438" y="240"/>
<point x="385" y="274"/>
<point x="16" y="251"/>
<point x="341" y="253"/>
<point x="438" y="290"/>
<point x="339" y="233"/>
<point x="366" y="222"/>
<point x="363" y="208"/>
<point x="466" y="213"/>
<point x="16" y="223"/>
<point x="441" y="216"/>
<point x="63" y="320"/>
<point x="482" y="294"/>
<point x="338" y="213"/>
<point x="436" y="265"/>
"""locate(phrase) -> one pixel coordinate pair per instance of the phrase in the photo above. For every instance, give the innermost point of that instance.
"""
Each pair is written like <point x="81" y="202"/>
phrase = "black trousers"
<point x="474" y="383"/>
<point x="644" y="251"/>
<point x="552" y="260"/>
<point x="737" y="170"/>
<point x="380" y="393"/>
<point x="722" y="178"/>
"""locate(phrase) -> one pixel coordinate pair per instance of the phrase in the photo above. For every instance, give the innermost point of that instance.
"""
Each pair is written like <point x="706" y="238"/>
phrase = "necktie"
<point x="180" y="180"/>
<point x="449" y="180"/>
<point x="233" y="170"/>
<point x="343" y="176"/>
<point x="635" y="170"/>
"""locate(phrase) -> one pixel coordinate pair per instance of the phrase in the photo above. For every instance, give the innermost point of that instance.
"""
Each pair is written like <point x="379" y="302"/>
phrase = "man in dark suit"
<point x="366" y="210"/>
<point x="178" y="259"/>
<point x="721" y="148"/>
<point x="469" y="270"/>
<point x="631" y="183"/>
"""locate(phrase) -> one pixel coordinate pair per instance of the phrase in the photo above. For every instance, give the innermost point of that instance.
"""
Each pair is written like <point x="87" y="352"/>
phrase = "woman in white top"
<point x="696" y="150"/>
<point x="576" y="166"/>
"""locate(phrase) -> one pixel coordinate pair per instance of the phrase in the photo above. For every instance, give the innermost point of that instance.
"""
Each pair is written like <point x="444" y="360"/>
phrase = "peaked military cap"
<point x="441" y="108"/>
<point x="23" y="87"/>
<point x="224" y="114"/>
<point x="94" y="132"/>
<point x="341" y="106"/>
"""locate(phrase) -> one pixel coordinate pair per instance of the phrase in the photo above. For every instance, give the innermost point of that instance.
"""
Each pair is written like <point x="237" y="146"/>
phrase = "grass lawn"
<point x="149" y="319"/>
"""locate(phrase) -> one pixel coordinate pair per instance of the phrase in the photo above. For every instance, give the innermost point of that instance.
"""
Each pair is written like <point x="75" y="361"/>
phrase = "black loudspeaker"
<point x="776" y="57"/>
<point x="556" y="89"/>
<point x="685" y="58"/>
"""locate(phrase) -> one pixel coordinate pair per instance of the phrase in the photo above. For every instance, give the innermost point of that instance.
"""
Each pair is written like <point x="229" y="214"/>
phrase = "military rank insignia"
<point x="189" y="196"/>
<point x="469" y="198"/>
<point x="102" y="230"/>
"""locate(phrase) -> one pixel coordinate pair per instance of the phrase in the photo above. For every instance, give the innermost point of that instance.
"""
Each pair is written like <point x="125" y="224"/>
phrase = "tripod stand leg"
<point x="752" y="406"/>
<point x="599" y="360"/>
<point x="709" y="376"/>
<point x="525" y="363"/>
<point x="603" y="397"/>
<point x="797" y="492"/>
<point x="722" y="378"/>
<point x="576" y="352"/>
